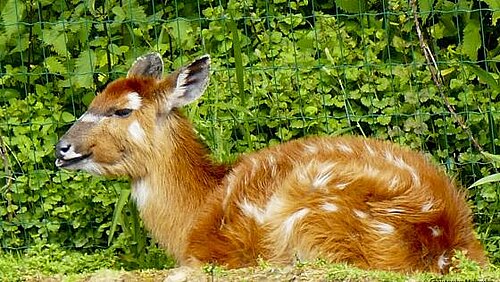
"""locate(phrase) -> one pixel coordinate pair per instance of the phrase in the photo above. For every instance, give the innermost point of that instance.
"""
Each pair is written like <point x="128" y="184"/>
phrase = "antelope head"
<point x="130" y="123"/>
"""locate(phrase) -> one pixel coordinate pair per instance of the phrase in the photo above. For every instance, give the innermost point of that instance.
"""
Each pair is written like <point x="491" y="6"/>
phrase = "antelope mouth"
<point x="64" y="163"/>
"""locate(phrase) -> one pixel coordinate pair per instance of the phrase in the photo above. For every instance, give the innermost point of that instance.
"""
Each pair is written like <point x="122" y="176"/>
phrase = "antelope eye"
<point x="123" y="112"/>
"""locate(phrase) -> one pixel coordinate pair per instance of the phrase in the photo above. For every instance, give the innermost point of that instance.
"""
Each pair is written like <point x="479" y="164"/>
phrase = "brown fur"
<point x="345" y="199"/>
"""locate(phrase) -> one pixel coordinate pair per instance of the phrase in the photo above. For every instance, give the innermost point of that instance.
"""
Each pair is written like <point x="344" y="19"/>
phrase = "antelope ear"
<point x="190" y="83"/>
<point x="149" y="65"/>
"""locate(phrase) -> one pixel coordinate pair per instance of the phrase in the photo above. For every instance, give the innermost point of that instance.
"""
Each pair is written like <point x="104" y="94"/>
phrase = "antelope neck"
<point x="175" y="188"/>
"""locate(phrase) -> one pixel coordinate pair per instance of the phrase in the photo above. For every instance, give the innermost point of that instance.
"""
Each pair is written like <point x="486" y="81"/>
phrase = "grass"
<point x="51" y="263"/>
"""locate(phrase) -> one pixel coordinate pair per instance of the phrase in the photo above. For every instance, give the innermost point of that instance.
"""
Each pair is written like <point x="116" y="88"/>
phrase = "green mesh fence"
<point x="281" y="70"/>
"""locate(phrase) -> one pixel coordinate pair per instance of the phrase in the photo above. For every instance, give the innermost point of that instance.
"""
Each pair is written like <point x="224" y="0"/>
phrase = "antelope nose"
<point x="62" y="148"/>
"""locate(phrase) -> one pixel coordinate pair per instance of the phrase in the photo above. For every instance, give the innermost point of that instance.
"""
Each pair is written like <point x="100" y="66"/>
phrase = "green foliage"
<point x="356" y="6"/>
<point x="42" y="260"/>
<point x="281" y="70"/>
<point x="52" y="259"/>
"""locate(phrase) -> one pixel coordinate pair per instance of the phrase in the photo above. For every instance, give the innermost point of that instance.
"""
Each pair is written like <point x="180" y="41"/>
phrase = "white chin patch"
<point x="86" y="165"/>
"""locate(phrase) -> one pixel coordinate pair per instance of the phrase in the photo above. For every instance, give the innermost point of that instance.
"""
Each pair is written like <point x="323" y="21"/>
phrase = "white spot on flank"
<point x="255" y="165"/>
<point x="427" y="206"/>
<point x="229" y="189"/>
<point x="371" y="171"/>
<point x="274" y="206"/>
<point x="140" y="193"/>
<point x="325" y="173"/>
<point x="272" y="164"/>
<point x="136" y="131"/>
<point x="313" y="149"/>
<point x="303" y="172"/>
<point x="134" y="101"/>
<point x="344" y="148"/>
<point x="341" y="186"/>
<point x="394" y="182"/>
<point x="395" y="211"/>
<point x="91" y="118"/>
<point x="252" y="211"/>
<point x="329" y="207"/>
<point x="360" y="214"/>
<point x="442" y="261"/>
<point x="436" y="231"/>
<point x="399" y="162"/>
<point x="369" y="148"/>
<point x="290" y="222"/>
<point x="383" y="228"/>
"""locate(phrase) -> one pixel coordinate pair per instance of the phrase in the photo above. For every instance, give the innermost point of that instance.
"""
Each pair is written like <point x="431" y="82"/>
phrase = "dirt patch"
<point x="291" y="273"/>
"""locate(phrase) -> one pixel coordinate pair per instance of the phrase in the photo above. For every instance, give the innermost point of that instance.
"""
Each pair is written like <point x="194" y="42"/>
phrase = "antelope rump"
<point x="366" y="202"/>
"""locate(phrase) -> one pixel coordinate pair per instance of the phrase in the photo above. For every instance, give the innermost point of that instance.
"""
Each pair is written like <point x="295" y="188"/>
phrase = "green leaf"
<point x="67" y="117"/>
<point x="472" y="39"/>
<point x="352" y="6"/>
<point x="487" y="179"/>
<point x="485" y="77"/>
<point x="495" y="6"/>
<point x="84" y="69"/>
<point x="425" y="8"/>
<point x="238" y="61"/>
<point x="495" y="158"/>
<point x="8" y="93"/>
<point x="87" y="98"/>
<point x="56" y="39"/>
<point x="12" y="15"/>
<point x="122" y="200"/>
<point x="54" y="66"/>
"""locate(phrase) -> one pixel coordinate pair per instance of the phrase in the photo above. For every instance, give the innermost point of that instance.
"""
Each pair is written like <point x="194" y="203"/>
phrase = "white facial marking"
<point x="71" y="154"/>
<point x="136" y="131"/>
<point x="290" y="222"/>
<point x="140" y="193"/>
<point x="329" y="207"/>
<point x="134" y="101"/>
<point x="442" y="261"/>
<point x="360" y="214"/>
<point x="91" y="118"/>
<point x="383" y="228"/>
<point x="436" y="231"/>
<point x="252" y="211"/>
